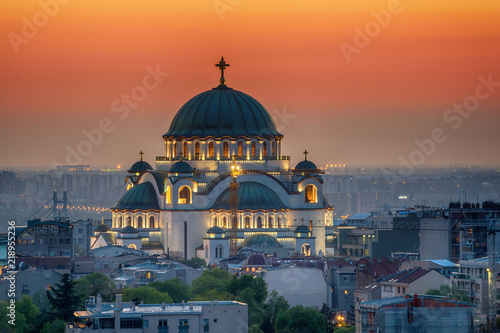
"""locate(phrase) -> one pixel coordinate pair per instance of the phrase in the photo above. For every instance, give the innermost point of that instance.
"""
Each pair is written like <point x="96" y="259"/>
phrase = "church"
<point x="183" y="204"/>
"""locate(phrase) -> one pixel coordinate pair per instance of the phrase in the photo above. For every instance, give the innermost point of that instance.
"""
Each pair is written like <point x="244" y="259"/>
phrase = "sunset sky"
<point x="63" y="65"/>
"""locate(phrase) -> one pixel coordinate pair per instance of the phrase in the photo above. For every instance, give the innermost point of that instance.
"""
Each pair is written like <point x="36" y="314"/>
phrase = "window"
<point x="346" y="278"/>
<point x="240" y="149"/>
<point x="225" y="149"/>
<point x="185" y="150"/>
<point x="168" y="195"/>
<point x="224" y="222"/>
<point x="139" y="222"/>
<point x="218" y="251"/>
<point x="273" y="148"/>
<point x="253" y="149"/>
<point x="151" y="221"/>
<point x="247" y="222"/>
<point x="183" y="325"/>
<point x="175" y="149"/>
<point x="206" y="327"/>
<point x="264" y="148"/>
<point x="278" y="222"/>
<point x="311" y="194"/>
<point x="206" y="251"/>
<point x="80" y="231"/>
<point x="129" y="221"/>
<point x="184" y="195"/>
<point x="80" y="241"/>
<point x="259" y="222"/>
<point x="130" y="323"/>
<point x="211" y="149"/>
<point x="270" y="222"/>
<point x="399" y="290"/>
<point x="197" y="150"/>
<point x="120" y="222"/>
<point x="163" y="326"/>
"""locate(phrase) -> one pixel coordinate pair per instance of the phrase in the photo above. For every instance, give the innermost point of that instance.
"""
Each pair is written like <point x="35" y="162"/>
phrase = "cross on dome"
<point x="222" y="66"/>
<point x="141" y="153"/>
<point x="305" y="154"/>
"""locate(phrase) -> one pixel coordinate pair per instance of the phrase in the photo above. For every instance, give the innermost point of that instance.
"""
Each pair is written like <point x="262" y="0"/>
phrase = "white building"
<point x="216" y="316"/>
<point x="174" y="205"/>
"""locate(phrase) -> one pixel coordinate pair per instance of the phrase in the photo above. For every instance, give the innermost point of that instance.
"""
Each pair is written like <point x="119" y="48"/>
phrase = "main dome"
<point x="222" y="112"/>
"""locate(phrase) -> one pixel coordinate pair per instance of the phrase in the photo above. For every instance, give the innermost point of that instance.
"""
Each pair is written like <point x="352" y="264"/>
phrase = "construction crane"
<point x="233" y="206"/>
<point x="492" y="276"/>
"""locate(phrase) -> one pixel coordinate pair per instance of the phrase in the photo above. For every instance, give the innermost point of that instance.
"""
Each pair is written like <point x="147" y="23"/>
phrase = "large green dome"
<point x="251" y="195"/>
<point x="222" y="112"/>
<point x="142" y="196"/>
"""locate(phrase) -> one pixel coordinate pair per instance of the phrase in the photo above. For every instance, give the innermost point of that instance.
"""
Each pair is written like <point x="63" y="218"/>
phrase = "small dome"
<point x="142" y="196"/>
<point x="260" y="241"/>
<point x="129" y="230"/>
<point x="222" y="112"/>
<point x="306" y="166"/>
<point x="102" y="228"/>
<point x="257" y="259"/>
<point x="139" y="167"/>
<point x="216" y="230"/>
<point x="303" y="229"/>
<point x="181" y="167"/>
<point x="251" y="195"/>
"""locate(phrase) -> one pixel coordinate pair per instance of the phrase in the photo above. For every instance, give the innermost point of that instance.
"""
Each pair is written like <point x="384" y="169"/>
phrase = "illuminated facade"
<point x="188" y="192"/>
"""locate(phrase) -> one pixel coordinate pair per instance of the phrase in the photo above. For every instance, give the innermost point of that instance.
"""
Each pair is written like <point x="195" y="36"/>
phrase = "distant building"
<point x="45" y="238"/>
<point x="418" y="313"/>
<point x="305" y="286"/>
<point x="417" y="281"/>
<point x="443" y="266"/>
<point x="369" y="270"/>
<point x="341" y="281"/>
<point x="216" y="316"/>
<point x="29" y="281"/>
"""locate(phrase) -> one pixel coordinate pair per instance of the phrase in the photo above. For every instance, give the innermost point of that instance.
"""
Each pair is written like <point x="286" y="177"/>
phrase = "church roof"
<point x="251" y="196"/>
<point x="140" y="166"/>
<point x="142" y="196"/>
<point x="259" y="241"/>
<point x="222" y="112"/>
<point x="302" y="229"/>
<point x="257" y="259"/>
<point x="215" y="230"/>
<point x="181" y="167"/>
<point x="101" y="228"/>
<point x="129" y="230"/>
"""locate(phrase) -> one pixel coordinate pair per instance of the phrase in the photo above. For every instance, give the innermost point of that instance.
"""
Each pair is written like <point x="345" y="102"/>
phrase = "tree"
<point x="452" y="293"/>
<point x="176" y="255"/>
<point x="55" y="326"/>
<point x="30" y="311"/>
<point x="213" y="295"/>
<point x="93" y="285"/>
<point x="273" y="306"/>
<point x="174" y="287"/>
<point x="330" y="317"/>
<point x="148" y="295"/>
<point x="300" y="319"/>
<point x="212" y="279"/>
<point x="195" y="262"/>
<point x="63" y="299"/>
<point x="256" y="284"/>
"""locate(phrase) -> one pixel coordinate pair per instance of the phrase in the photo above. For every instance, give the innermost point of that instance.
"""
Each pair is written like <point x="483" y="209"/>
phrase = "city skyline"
<point x="372" y="83"/>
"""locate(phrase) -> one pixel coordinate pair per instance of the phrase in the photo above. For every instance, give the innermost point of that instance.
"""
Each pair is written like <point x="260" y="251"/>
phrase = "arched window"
<point x="247" y="222"/>
<point x="224" y="222"/>
<point x="168" y="194"/>
<point x="215" y="222"/>
<point x="240" y="149"/>
<point x="278" y="222"/>
<point x="151" y="221"/>
<point x="139" y="222"/>
<point x="184" y="195"/>
<point x="197" y="150"/>
<point x="264" y="148"/>
<point x="254" y="150"/>
<point x="270" y="222"/>
<point x="132" y="246"/>
<point x="306" y="250"/>
<point x="218" y="251"/>
<point x="311" y="195"/>
<point x="259" y="222"/>
<point x="120" y="222"/>
<point x="225" y="149"/>
<point x="211" y="149"/>
<point x="175" y="149"/>
<point x="129" y="221"/>
<point x="185" y="150"/>
<point x="273" y="148"/>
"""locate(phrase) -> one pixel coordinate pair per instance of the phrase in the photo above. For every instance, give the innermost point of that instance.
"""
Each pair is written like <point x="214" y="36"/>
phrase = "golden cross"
<point x="141" y="153"/>
<point x="222" y="65"/>
<point x="305" y="153"/>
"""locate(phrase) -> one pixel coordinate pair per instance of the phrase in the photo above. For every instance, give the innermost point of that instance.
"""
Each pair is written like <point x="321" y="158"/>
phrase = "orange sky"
<point x="62" y="79"/>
